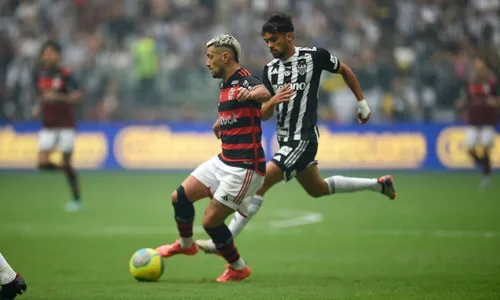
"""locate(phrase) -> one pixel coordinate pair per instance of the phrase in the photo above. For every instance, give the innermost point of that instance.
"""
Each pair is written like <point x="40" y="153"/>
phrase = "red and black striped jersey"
<point x="56" y="114"/>
<point x="240" y="124"/>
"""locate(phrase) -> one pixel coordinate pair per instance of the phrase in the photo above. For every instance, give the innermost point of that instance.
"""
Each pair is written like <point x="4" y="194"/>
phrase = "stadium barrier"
<point x="179" y="146"/>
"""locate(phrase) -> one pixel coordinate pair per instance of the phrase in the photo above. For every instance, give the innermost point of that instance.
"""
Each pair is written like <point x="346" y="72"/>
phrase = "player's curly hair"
<point x="278" y="22"/>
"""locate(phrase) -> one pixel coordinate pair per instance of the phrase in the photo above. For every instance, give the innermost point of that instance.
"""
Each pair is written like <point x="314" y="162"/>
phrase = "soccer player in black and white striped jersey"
<point x="293" y="79"/>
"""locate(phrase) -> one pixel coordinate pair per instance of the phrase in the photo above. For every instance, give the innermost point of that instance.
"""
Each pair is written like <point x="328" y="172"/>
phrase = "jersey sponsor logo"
<point x="302" y="67"/>
<point x="283" y="131"/>
<point x="296" y="86"/>
<point x="228" y="119"/>
<point x="274" y="70"/>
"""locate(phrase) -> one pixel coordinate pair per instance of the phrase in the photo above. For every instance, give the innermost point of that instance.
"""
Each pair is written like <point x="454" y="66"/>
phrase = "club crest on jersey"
<point x="486" y="88"/>
<point x="228" y="119"/>
<point x="302" y="67"/>
<point x="56" y="83"/>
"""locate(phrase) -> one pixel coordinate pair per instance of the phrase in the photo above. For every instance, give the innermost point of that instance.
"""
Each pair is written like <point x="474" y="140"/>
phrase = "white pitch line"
<point x="289" y="218"/>
<point x="434" y="233"/>
<point x="306" y="219"/>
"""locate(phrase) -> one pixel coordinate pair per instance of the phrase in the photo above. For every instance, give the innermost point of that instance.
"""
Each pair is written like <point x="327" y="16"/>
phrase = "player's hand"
<point x="216" y="129"/>
<point x="363" y="112"/>
<point x="283" y="95"/>
<point x="35" y="111"/>
<point x="50" y="96"/>
<point x="243" y="94"/>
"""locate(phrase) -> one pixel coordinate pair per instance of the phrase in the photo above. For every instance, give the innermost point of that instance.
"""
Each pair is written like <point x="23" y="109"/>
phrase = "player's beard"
<point x="217" y="74"/>
<point x="277" y="54"/>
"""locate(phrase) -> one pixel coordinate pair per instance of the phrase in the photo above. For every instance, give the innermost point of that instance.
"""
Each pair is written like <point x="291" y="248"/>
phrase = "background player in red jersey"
<point x="233" y="176"/>
<point x="57" y="91"/>
<point x="482" y="102"/>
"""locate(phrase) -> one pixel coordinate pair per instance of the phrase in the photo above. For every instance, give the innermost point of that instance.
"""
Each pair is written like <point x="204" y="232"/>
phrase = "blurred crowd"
<point x="145" y="59"/>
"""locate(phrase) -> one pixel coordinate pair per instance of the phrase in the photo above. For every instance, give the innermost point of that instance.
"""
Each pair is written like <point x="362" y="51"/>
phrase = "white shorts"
<point x="50" y="138"/>
<point x="231" y="186"/>
<point x="479" y="136"/>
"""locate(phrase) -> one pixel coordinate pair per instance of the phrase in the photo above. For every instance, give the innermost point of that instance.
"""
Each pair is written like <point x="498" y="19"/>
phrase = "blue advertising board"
<point x="174" y="146"/>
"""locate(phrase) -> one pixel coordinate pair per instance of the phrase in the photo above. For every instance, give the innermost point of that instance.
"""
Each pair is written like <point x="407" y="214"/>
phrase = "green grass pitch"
<point x="439" y="240"/>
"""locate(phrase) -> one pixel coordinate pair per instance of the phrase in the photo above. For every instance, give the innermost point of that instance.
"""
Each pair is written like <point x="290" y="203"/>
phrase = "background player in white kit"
<point x="293" y="80"/>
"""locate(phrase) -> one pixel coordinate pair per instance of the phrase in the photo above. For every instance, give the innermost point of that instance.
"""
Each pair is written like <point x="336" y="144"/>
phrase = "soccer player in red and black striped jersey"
<point x="231" y="178"/>
<point x="57" y="92"/>
<point x="292" y="78"/>
<point x="482" y="102"/>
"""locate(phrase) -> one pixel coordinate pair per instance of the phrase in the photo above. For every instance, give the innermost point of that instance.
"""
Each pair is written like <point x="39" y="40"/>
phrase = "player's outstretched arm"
<point x="281" y="96"/>
<point x="258" y="93"/>
<point x="353" y="83"/>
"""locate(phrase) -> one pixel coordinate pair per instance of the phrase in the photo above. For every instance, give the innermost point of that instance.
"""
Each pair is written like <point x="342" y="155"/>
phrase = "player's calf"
<point x="214" y="225"/>
<point x="70" y="173"/>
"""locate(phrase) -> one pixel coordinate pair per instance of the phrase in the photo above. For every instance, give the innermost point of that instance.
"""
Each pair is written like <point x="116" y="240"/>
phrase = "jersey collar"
<point x="295" y="54"/>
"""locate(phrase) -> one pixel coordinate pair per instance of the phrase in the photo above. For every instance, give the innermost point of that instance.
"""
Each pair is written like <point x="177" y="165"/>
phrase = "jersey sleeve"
<point x="34" y="81"/>
<point x="266" y="82"/>
<point x="327" y="61"/>
<point x="250" y="82"/>
<point x="71" y="83"/>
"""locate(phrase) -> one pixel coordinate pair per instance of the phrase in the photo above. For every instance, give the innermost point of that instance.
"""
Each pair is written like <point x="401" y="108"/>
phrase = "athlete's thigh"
<point x="294" y="157"/>
<point x="472" y="134"/>
<point x="47" y="140"/>
<point x="236" y="184"/>
<point x="310" y="179"/>
<point x="66" y="140"/>
<point x="202" y="181"/>
<point x="274" y="174"/>
<point x="487" y="136"/>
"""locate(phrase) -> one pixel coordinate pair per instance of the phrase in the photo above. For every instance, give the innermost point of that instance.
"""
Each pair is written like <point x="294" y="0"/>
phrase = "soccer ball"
<point x="146" y="265"/>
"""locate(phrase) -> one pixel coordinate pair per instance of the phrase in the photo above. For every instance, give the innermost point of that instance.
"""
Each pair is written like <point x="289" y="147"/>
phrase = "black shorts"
<point x="294" y="157"/>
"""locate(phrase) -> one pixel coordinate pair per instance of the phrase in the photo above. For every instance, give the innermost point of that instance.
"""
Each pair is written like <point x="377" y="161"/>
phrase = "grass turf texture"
<point x="439" y="240"/>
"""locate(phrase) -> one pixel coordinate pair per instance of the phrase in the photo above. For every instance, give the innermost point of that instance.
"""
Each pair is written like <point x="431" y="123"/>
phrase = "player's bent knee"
<point x="179" y="194"/>
<point x="315" y="193"/>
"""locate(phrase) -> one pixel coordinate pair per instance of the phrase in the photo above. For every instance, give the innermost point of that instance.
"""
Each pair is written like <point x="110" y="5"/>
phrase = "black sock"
<point x="486" y="162"/>
<point x="223" y="240"/>
<point x="48" y="166"/>
<point x="184" y="213"/>
<point x="73" y="181"/>
<point x="475" y="157"/>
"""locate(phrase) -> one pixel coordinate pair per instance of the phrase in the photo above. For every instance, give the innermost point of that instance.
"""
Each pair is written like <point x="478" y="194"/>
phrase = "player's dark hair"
<point x="278" y="22"/>
<point x="51" y="44"/>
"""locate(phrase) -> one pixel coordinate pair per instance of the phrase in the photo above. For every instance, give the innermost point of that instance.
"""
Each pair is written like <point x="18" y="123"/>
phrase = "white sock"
<point x="239" y="222"/>
<point x="186" y="243"/>
<point x="239" y="264"/>
<point x="341" y="184"/>
<point x="7" y="274"/>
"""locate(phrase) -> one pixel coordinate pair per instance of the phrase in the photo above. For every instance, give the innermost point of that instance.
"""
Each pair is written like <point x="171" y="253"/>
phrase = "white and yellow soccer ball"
<point x="146" y="265"/>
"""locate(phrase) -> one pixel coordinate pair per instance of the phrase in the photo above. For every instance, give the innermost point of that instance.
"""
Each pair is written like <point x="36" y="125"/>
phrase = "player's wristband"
<point x="362" y="105"/>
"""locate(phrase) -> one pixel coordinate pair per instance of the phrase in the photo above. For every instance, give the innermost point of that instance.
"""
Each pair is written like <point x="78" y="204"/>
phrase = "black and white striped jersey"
<point x="297" y="119"/>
